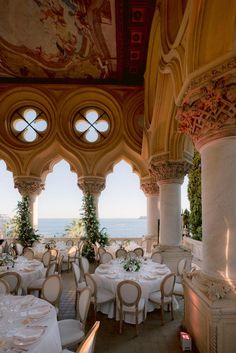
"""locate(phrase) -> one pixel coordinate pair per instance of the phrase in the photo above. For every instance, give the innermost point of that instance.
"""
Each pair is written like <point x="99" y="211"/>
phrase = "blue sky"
<point x="62" y="198"/>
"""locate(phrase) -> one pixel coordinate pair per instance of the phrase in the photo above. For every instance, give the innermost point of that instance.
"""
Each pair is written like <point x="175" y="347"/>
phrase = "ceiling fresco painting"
<point x="101" y="40"/>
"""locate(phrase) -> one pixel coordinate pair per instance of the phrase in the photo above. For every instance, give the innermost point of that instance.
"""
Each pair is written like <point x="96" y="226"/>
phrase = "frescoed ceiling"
<point x="74" y="40"/>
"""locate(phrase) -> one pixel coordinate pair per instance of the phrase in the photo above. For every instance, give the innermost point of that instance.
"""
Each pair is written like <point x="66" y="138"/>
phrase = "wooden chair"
<point x="106" y="257"/>
<point x="156" y="257"/>
<point x="28" y="253"/>
<point x="13" y="279"/>
<point x="178" y="288"/>
<point x="51" y="290"/>
<point x="101" y="251"/>
<point x="78" y="284"/>
<point x="69" y="242"/>
<point x="131" y="253"/>
<point x="19" y="249"/>
<point x="4" y="287"/>
<point x="121" y="253"/>
<point x="99" y="295"/>
<point x="37" y="285"/>
<point x="84" y="265"/>
<point x="130" y="301"/>
<point x="46" y="259"/>
<point x="139" y="252"/>
<point x="72" y="256"/>
<point x="165" y="295"/>
<point x="72" y="331"/>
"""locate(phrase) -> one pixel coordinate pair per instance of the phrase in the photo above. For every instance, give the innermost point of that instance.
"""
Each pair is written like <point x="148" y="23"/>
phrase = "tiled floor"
<point x="153" y="337"/>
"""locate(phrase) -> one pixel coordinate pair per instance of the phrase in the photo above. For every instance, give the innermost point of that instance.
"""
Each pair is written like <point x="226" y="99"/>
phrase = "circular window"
<point x="92" y="124"/>
<point x="29" y="124"/>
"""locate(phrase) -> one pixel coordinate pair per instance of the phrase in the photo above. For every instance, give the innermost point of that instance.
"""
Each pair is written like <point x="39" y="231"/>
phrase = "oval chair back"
<point x="76" y="272"/>
<point x="84" y="263"/>
<point x="4" y="287"/>
<point x="101" y="251"/>
<point x="19" y="249"/>
<point x="106" y="257"/>
<point x="156" y="257"/>
<point x="51" y="270"/>
<point x="139" y="252"/>
<point x="83" y="305"/>
<point x="121" y="253"/>
<point x="167" y="285"/>
<point x="91" y="284"/>
<point x="13" y="279"/>
<point x="51" y="290"/>
<point x="181" y="266"/>
<point x="69" y="242"/>
<point x="28" y="253"/>
<point x="46" y="259"/>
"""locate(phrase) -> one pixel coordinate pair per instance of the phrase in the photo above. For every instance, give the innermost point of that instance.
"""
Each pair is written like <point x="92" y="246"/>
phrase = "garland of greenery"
<point x="195" y="199"/>
<point x="23" y="227"/>
<point x="91" y="228"/>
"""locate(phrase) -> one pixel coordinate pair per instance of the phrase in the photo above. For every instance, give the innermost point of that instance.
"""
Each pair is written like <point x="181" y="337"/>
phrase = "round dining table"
<point x="29" y="270"/>
<point x="28" y="324"/>
<point x="149" y="277"/>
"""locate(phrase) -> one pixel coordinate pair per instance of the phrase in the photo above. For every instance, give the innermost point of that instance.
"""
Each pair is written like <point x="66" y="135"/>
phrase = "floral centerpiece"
<point x="132" y="264"/>
<point x="7" y="260"/>
<point x="51" y="244"/>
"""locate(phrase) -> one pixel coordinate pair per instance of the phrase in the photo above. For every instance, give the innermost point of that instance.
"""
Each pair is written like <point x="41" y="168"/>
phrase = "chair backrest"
<point x="139" y="251"/>
<point x="84" y="263"/>
<point x="76" y="272"/>
<point x="90" y="282"/>
<point x="121" y="253"/>
<point x="59" y="263"/>
<point x="181" y="266"/>
<point x="156" y="257"/>
<point x="51" y="289"/>
<point x="167" y="285"/>
<point x="131" y="254"/>
<point x="129" y="293"/>
<point x="11" y="251"/>
<point x="13" y="279"/>
<point x="69" y="242"/>
<point x="51" y="270"/>
<point x="72" y="251"/>
<point x="83" y="305"/>
<point x="19" y="249"/>
<point x="46" y="258"/>
<point x="54" y="254"/>
<point x="106" y="257"/>
<point x="101" y="251"/>
<point x="4" y="287"/>
<point x="87" y="346"/>
<point x="28" y="253"/>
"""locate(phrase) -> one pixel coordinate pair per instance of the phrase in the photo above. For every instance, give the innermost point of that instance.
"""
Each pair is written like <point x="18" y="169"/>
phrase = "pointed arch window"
<point x="92" y="124"/>
<point x="29" y="124"/>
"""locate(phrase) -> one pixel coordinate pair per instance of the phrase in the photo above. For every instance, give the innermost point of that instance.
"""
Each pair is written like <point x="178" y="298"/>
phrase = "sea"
<point x="115" y="227"/>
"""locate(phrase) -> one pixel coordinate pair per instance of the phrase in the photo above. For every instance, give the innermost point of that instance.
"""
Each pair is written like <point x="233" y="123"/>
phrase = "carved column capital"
<point x="28" y="186"/>
<point x="149" y="186"/>
<point x="168" y="171"/>
<point x="209" y="112"/>
<point x="91" y="184"/>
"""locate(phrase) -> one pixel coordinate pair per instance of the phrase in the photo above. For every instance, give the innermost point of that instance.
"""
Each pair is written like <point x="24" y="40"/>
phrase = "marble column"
<point x="94" y="186"/>
<point x="170" y="176"/>
<point x="208" y="115"/>
<point x="31" y="187"/>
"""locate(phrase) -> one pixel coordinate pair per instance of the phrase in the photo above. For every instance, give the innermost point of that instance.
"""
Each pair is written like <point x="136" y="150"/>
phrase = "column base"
<point x="172" y="254"/>
<point x="210" y="313"/>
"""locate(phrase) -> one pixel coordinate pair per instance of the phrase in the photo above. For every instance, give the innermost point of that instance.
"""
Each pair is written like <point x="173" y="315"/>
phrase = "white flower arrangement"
<point x="132" y="264"/>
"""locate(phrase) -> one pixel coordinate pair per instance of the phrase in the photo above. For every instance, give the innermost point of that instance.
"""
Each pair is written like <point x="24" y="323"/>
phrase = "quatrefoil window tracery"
<point x="92" y="124"/>
<point x="29" y="124"/>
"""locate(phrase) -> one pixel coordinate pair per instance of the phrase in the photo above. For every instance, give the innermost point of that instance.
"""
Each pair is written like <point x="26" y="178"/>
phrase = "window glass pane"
<point x="30" y="135"/>
<point x="19" y="124"/>
<point x="40" y="125"/>
<point x="81" y="125"/>
<point x="29" y="115"/>
<point x="102" y="125"/>
<point x="91" y="116"/>
<point x="91" y="135"/>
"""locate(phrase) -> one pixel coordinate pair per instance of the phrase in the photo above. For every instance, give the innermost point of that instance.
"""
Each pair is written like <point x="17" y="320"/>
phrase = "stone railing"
<point x="196" y="248"/>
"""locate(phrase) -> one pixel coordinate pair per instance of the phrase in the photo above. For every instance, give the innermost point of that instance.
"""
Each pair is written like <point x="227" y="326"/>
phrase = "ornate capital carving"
<point x="149" y="186"/>
<point x="169" y="171"/>
<point x="91" y="184"/>
<point x="29" y="186"/>
<point x="209" y="112"/>
<point x="213" y="288"/>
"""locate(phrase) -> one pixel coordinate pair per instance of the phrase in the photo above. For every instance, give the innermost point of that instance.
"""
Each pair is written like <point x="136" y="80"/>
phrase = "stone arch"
<point x="12" y="161"/>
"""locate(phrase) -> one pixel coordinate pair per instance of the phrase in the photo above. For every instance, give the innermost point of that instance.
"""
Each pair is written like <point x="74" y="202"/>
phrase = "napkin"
<point x="26" y="334"/>
<point x="27" y="269"/>
<point x="39" y="311"/>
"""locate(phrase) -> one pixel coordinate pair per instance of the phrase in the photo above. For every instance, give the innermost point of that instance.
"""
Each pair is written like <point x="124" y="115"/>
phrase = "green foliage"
<point x="194" y="195"/>
<point x="91" y="228"/>
<point x="23" y="228"/>
<point x="75" y="229"/>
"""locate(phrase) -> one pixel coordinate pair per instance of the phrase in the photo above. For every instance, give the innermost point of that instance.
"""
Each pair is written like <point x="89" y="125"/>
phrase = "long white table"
<point x="28" y="324"/>
<point x="149" y="277"/>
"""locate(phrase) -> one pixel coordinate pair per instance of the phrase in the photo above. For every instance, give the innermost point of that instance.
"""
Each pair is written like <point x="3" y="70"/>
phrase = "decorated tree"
<point x="195" y="199"/>
<point x="91" y="228"/>
<point x="23" y="227"/>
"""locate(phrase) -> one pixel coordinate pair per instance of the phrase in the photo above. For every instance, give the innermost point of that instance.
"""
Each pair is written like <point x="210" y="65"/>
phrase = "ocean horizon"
<point x="115" y="227"/>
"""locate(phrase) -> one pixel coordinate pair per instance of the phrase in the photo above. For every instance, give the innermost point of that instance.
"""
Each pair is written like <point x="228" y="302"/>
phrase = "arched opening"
<point x="122" y="205"/>
<point x="60" y="202"/>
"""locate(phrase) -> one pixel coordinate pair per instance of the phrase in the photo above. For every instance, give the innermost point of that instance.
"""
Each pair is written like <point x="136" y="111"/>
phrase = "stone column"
<point x="92" y="185"/>
<point x="170" y="176"/>
<point x="31" y="187"/>
<point x="151" y="190"/>
<point x="208" y="116"/>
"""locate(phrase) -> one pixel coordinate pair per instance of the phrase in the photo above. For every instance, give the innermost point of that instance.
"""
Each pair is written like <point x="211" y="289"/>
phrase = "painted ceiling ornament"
<point x="91" y="185"/>
<point x="169" y="170"/>
<point x="211" y="110"/>
<point x="213" y="288"/>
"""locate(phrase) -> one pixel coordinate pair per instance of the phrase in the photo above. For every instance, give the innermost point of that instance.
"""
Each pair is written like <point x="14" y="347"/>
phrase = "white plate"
<point x="38" y="311"/>
<point x="28" y="335"/>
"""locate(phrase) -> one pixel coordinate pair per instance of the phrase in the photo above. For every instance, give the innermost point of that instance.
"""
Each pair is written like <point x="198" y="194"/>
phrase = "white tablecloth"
<point x="30" y="270"/>
<point x="149" y="278"/>
<point x="17" y="313"/>
<point x="39" y="249"/>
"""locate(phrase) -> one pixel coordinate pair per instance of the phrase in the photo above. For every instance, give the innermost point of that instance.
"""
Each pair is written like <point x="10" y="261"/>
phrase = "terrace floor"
<point x="153" y="337"/>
